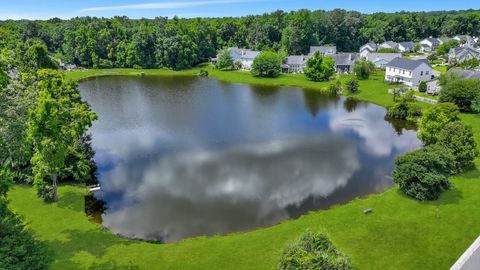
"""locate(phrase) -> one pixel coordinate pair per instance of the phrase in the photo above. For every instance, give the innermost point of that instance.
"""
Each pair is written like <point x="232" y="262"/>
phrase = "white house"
<point x="344" y="62"/>
<point x="430" y="44"/>
<point x="465" y="40"/>
<point x="380" y="60"/>
<point x="242" y="56"/>
<point x="295" y="64"/>
<point x="324" y="50"/>
<point x="409" y="72"/>
<point x="406" y="47"/>
<point x="388" y="45"/>
<point x="368" y="48"/>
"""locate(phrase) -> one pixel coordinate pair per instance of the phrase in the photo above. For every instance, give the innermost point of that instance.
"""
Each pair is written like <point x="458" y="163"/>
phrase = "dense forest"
<point x="182" y="43"/>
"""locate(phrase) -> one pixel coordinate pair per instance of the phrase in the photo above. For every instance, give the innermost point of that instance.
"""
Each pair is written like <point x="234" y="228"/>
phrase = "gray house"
<point x="368" y="48"/>
<point x="243" y="57"/>
<point x="465" y="74"/>
<point x="344" y="62"/>
<point x="324" y="50"/>
<point x="388" y="45"/>
<point x="406" y="46"/>
<point x="380" y="60"/>
<point x="461" y="54"/>
<point x="295" y="64"/>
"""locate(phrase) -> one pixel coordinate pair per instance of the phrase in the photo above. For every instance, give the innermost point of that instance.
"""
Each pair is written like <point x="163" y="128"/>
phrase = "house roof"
<point x="249" y="54"/>
<point x="323" y="49"/>
<point x="464" y="73"/>
<point x="372" y="45"/>
<point x="296" y="59"/>
<point x="463" y="50"/>
<point x="374" y="57"/>
<point x="407" y="64"/>
<point x="391" y="44"/>
<point x="444" y="39"/>
<point x="345" y="59"/>
<point x="407" y="44"/>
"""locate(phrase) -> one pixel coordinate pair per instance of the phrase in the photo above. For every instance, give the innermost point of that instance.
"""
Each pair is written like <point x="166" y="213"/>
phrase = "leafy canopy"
<point x="267" y="64"/>
<point x="320" y="68"/>
<point x="434" y="119"/>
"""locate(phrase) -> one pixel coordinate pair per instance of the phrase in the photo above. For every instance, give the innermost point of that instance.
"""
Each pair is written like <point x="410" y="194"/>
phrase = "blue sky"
<point x="44" y="9"/>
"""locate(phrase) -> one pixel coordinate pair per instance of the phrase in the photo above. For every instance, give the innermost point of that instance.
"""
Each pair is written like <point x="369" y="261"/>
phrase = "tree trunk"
<point x="55" y="194"/>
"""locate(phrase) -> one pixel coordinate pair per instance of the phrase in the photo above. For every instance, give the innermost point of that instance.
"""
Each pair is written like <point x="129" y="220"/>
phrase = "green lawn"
<point x="401" y="233"/>
<point x="442" y="69"/>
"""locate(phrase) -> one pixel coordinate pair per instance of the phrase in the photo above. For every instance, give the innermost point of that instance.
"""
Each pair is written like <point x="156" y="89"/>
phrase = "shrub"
<point x="404" y="109"/>
<point x="335" y="88"/>
<point x="320" y="68"/>
<point x="18" y="249"/>
<point x="434" y="120"/>
<point x="267" y="64"/>
<point x="203" y="73"/>
<point x="461" y="92"/>
<point x="459" y="139"/>
<point x="363" y="69"/>
<point x="352" y="86"/>
<point x="423" y="173"/>
<point x="137" y="66"/>
<point x="422" y="87"/>
<point x="225" y="60"/>
<point x="314" y="251"/>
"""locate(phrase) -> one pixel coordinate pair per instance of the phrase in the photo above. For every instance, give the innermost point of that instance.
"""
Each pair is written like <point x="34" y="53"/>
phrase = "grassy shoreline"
<point x="401" y="233"/>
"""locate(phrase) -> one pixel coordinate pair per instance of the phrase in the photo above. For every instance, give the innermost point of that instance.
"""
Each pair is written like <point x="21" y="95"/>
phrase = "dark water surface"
<point x="185" y="156"/>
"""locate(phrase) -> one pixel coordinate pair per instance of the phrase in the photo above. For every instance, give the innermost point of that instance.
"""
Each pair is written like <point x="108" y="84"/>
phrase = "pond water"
<point x="184" y="156"/>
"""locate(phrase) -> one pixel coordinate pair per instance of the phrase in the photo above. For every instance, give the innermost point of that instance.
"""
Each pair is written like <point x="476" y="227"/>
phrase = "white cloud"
<point x="164" y="5"/>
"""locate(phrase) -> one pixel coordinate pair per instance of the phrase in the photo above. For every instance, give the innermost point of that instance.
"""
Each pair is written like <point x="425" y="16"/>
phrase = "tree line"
<point x="182" y="43"/>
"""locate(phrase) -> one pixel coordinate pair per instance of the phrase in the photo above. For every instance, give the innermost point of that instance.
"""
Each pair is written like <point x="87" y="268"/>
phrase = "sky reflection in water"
<point x="185" y="156"/>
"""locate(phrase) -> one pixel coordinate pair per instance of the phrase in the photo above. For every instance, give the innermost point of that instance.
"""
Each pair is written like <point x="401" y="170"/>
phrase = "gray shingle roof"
<point x="296" y="60"/>
<point x="374" y="57"/>
<point x="407" y="44"/>
<point x="323" y="49"/>
<point x="391" y="44"/>
<point x="406" y="64"/>
<point x="345" y="59"/>
<point x="465" y="74"/>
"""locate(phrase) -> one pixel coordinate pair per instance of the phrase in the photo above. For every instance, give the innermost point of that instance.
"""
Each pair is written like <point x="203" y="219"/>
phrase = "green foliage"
<point x="203" y="73"/>
<point x="434" y="119"/>
<point x="459" y="139"/>
<point x="18" y="249"/>
<point x="38" y="55"/>
<point x="225" y="60"/>
<point x="463" y="93"/>
<point x="299" y="34"/>
<point x="56" y="123"/>
<point x="423" y="173"/>
<point x="387" y="50"/>
<point x="404" y="108"/>
<point x="314" y="251"/>
<point x="444" y="48"/>
<point x="267" y="64"/>
<point x="363" y="68"/>
<point x="320" y="68"/>
<point x="352" y="87"/>
<point x="470" y="63"/>
<point x="417" y="48"/>
<point x="422" y="87"/>
<point x="336" y="87"/>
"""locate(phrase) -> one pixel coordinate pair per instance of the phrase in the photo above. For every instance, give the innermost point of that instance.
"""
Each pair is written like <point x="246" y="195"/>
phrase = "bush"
<point x="405" y="110"/>
<point x="459" y="139"/>
<point x="314" y="251"/>
<point x="203" y="73"/>
<point x="434" y="120"/>
<point x="422" y="87"/>
<point x="46" y="192"/>
<point x="267" y="64"/>
<point x="423" y="173"/>
<point x="18" y="249"/>
<point x="335" y="88"/>
<point x="137" y="67"/>
<point x="363" y="69"/>
<point x="320" y="68"/>
<point x="225" y="60"/>
<point x="463" y="93"/>
<point x="352" y="86"/>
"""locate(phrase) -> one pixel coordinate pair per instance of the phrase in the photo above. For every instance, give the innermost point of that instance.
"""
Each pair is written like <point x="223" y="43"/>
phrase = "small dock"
<point x="94" y="188"/>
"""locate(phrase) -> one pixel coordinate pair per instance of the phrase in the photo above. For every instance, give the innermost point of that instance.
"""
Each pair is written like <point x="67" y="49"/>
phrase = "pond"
<point x="183" y="156"/>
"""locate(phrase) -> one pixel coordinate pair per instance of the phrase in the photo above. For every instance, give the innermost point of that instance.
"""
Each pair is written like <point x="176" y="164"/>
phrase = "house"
<point x="465" y="73"/>
<point x="344" y="62"/>
<point x="368" y="48"/>
<point x="408" y="72"/>
<point x="444" y="39"/>
<point x="388" y="45"/>
<point x="295" y="64"/>
<point x="465" y="40"/>
<point x="380" y="60"/>
<point x="433" y="87"/>
<point x="430" y="44"/>
<point x="406" y="47"/>
<point x="244" y="57"/>
<point x="324" y="50"/>
<point x="461" y="54"/>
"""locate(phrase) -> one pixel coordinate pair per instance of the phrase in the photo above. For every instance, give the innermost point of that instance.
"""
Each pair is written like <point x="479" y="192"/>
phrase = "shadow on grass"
<point x="452" y="196"/>
<point x="94" y="241"/>
<point x="472" y="174"/>
<point x="69" y="200"/>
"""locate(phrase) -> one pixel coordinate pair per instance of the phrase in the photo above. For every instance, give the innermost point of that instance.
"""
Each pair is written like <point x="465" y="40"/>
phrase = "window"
<point x="421" y="73"/>
<point x="427" y="72"/>
<point x="410" y="73"/>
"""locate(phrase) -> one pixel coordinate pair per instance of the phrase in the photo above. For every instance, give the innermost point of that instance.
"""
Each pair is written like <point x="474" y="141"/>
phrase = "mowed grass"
<point x="401" y="233"/>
